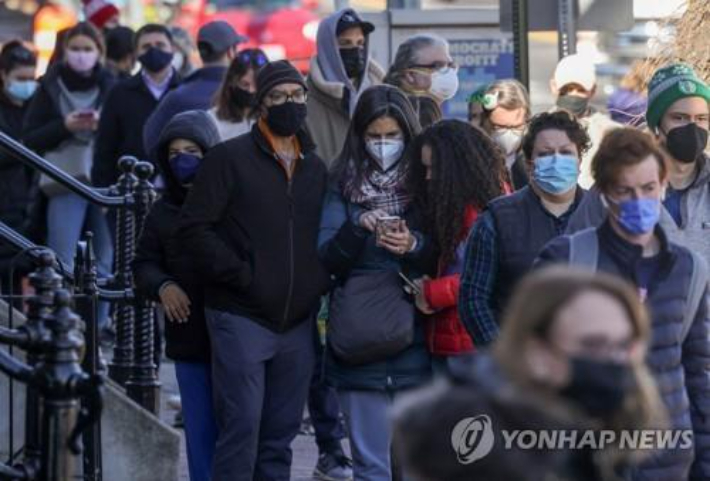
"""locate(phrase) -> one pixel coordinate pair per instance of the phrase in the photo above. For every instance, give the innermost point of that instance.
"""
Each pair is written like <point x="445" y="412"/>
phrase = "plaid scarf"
<point x="379" y="190"/>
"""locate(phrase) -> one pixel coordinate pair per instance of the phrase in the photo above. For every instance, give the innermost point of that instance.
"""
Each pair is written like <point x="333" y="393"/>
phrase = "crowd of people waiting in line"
<point x="426" y="244"/>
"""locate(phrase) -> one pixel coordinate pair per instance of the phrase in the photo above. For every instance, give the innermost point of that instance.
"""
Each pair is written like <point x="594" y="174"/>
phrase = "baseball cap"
<point x="575" y="69"/>
<point x="350" y="19"/>
<point x="217" y="37"/>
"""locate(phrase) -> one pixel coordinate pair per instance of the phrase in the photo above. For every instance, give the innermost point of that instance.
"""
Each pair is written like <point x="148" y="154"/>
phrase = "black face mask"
<point x="243" y="98"/>
<point x="686" y="143"/>
<point x="154" y="60"/>
<point x="353" y="61"/>
<point x="286" y="119"/>
<point x="598" y="387"/>
<point x="573" y="104"/>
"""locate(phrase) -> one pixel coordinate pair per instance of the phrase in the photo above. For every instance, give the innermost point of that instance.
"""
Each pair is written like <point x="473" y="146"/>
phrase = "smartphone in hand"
<point x="386" y="225"/>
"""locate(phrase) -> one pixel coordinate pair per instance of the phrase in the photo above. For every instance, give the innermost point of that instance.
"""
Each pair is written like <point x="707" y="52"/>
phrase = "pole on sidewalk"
<point x="566" y="28"/>
<point x="521" y="50"/>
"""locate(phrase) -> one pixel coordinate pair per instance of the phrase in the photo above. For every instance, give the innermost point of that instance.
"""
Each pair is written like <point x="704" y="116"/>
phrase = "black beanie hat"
<point x="276" y="73"/>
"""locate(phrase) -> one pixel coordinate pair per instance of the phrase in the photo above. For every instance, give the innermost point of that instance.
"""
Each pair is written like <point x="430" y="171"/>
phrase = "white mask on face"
<point x="386" y="152"/>
<point x="508" y="140"/>
<point x="444" y="85"/>
<point x="178" y="60"/>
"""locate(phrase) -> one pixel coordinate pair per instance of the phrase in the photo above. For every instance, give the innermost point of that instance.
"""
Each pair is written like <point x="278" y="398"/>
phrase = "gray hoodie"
<point x="329" y="61"/>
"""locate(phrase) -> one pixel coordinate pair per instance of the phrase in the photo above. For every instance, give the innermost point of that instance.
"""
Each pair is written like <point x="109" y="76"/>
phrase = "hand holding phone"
<point x="387" y="225"/>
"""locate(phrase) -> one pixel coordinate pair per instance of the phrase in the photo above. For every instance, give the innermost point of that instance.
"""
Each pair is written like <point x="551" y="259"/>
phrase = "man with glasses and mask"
<point x="423" y="66"/>
<point x="340" y="71"/>
<point x="575" y="84"/>
<point x="251" y="223"/>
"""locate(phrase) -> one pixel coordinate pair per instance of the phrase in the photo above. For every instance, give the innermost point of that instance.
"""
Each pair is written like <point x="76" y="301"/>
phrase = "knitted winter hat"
<point x="99" y="12"/>
<point x="671" y="83"/>
<point x="276" y="73"/>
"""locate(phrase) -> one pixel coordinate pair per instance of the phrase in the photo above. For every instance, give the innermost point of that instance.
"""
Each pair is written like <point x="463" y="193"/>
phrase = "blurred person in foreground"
<point x="627" y="105"/>
<point x="631" y="175"/>
<point x="570" y="357"/>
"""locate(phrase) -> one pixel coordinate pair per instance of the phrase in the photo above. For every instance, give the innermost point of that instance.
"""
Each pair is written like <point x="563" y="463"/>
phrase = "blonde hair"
<point x="510" y="95"/>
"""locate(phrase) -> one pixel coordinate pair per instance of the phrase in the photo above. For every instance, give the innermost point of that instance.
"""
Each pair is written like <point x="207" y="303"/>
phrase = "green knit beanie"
<point x="669" y="84"/>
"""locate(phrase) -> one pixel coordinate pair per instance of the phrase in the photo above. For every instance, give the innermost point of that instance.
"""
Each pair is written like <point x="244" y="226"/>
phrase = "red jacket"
<point x="445" y="334"/>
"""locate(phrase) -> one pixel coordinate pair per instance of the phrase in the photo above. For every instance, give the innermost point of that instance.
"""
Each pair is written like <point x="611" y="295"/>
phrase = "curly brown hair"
<point x="558" y="120"/>
<point x="467" y="170"/>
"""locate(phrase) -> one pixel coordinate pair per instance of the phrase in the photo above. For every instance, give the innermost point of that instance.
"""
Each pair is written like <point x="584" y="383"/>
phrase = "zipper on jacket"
<point x="291" y="249"/>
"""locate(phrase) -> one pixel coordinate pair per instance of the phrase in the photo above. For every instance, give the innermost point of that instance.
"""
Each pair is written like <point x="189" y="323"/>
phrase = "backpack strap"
<point x="696" y="293"/>
<point x="584" y="249"/>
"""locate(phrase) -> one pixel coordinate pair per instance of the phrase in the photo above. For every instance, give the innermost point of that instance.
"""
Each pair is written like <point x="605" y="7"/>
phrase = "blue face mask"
<point x="22" y="90"/>
<point x="638" y="216"/>
<point x="185" y="167"/>
<point x="556" y="173"/>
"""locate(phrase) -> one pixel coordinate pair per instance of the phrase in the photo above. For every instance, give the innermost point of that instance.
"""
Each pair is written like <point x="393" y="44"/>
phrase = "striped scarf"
<point x="380" y="190"/>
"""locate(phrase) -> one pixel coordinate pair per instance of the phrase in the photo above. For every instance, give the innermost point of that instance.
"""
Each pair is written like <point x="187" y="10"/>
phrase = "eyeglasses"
<point x="442" y="67"/>
<point x="253" y="57"/>
<point x="280" y="98"/>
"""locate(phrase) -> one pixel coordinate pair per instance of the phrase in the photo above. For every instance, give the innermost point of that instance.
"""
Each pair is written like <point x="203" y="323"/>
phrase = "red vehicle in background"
<point x="283" y="29"/>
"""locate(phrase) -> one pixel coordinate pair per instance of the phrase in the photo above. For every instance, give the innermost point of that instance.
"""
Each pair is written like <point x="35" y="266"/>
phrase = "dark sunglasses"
<point x="253" y="57"/>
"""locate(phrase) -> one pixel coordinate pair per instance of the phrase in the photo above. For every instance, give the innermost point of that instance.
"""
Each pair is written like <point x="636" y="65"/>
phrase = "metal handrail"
<point x="19" y="152"/>
<point x="19" y="242"/>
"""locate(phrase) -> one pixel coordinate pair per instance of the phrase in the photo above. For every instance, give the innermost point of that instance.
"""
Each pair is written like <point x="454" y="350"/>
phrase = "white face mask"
<point x="178" y="60"/>
<point x="444" y="85"/>
<point x="508" y="140"/>
<point x="386" y="152"/>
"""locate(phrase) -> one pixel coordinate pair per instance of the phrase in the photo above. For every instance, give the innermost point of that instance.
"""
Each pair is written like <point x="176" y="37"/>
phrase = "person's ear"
<point x="553" y="88"/>
<point x="593" y="92"/>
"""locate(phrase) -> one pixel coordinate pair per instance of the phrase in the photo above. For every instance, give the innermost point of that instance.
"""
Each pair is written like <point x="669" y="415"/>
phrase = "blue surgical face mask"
<point x="22" y="89"/>
<point x="556" y="173"/>
<point x="185" y="167"/>
<point x="637" y="216"/>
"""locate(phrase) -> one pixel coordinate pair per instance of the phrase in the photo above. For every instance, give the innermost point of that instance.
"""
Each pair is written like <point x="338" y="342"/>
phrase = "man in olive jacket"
<point x="251" y="221"/>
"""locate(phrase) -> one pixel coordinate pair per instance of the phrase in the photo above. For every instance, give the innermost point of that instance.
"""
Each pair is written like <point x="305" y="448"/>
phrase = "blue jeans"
<point x="370" y="432"/>
<point x="195" y="383"/>
<point x="67" y="216"/>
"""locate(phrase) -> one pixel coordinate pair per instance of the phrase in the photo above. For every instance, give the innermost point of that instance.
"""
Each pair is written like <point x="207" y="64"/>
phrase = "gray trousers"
<point x="260" y="381"/>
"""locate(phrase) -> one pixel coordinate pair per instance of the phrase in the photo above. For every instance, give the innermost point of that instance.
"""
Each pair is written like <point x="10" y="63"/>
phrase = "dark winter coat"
<point x="252" y="231"/>
<point x="346" y="248"/>
<point x="127" y="107"/>
<point x="18" y="183"/>
<point x="195" y="93"/>
<point x="161" y="259"/>
<point x="680" y="367"/>
<point x="44" y="127"/>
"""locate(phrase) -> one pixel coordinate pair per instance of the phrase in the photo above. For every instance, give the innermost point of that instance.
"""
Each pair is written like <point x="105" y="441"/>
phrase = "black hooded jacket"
<point x="160" y="258"/>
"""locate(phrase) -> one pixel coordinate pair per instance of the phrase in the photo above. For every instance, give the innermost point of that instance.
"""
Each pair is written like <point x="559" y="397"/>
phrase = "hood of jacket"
<point x="703" y="177"/>
<point x="194" y="125"/>
<point x="331" y="76"/>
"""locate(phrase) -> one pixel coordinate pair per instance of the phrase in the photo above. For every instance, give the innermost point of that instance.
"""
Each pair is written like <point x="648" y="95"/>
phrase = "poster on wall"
<point x="481" y="61"/>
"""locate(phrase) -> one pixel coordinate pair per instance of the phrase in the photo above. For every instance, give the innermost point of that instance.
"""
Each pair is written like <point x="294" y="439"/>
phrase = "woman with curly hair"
<point x="456" y="171"/>
<point x="508" y="236"/>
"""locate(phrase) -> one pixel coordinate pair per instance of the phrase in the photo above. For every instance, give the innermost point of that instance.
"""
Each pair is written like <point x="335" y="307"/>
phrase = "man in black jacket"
<point x="251" y="222"/>
<point x="130" y="103"/>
